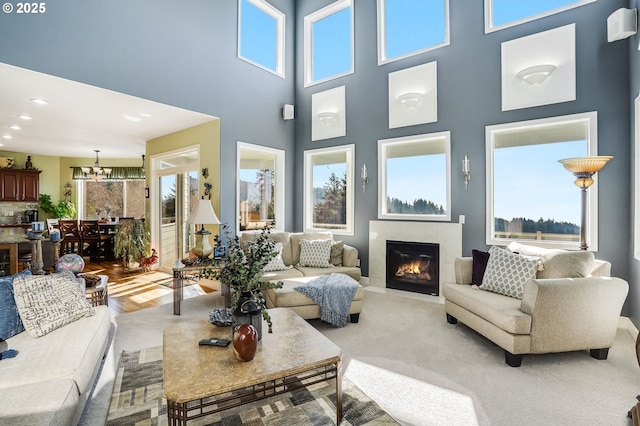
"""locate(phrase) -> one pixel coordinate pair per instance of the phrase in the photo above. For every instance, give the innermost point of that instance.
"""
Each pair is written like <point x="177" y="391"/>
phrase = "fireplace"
<point x="413" y="266"/>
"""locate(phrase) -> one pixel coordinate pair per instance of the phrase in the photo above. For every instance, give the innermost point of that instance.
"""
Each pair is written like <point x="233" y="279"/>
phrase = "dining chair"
<point x="70" y="233"/>
<point x="94" y="239"/>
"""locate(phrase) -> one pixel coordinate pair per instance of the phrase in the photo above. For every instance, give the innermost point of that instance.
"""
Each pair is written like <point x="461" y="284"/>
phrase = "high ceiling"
<point x="78" y="119"/>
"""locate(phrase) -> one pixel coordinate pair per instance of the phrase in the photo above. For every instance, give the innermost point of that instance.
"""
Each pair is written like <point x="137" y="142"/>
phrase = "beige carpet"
<point x="423" y="371"/>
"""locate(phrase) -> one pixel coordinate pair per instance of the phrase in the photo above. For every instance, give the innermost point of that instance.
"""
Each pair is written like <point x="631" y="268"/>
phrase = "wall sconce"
<point x="411" y="100"/>
<point x="466" y="171"/>
<point x="328" y="118"/>
<point x="536" y="74"/>
<point x="365" y="178"/>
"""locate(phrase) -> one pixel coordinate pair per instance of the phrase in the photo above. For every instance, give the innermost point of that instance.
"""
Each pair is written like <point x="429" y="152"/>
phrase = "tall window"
<point x="328" y="43"/>
<point x="410" y="27"/>
<point x="530" y="196"/>
<point x="499" y="14"/>
<point x="328" y="194"/>
<point x="115" y="198"/>
<point x="260" y="187"/>
<point x="261" y="30"/>
<point x="414" y="177"/>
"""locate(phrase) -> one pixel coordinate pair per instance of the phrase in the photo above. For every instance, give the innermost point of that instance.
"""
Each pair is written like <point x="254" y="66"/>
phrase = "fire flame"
<point x="415" y="270"/>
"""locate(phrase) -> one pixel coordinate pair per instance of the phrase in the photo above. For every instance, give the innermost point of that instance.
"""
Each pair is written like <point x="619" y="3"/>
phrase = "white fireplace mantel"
<point x="447" y="235"/>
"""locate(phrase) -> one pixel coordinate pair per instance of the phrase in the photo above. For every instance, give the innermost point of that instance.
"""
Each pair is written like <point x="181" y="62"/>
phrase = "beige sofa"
<point x="557" y="313"/>
<point x="296" y="275"/>
<point x="50" y="379"/>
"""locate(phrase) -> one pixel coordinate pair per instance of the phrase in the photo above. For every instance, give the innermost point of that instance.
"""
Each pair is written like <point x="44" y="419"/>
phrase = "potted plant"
<point x="65" y="209"/>
<point x="131" y="242"/>
<point x="242" y="268"/>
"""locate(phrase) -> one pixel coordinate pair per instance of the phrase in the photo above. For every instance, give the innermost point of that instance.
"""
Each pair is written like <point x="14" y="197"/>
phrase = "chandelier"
<point x="96" y="172"/>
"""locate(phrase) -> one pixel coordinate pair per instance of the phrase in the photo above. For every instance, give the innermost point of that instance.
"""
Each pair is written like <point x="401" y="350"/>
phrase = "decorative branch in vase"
<point x="242" y="269"/>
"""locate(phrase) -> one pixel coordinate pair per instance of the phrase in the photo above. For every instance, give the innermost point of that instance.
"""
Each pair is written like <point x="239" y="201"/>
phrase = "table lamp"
<point x="203" y="214"/>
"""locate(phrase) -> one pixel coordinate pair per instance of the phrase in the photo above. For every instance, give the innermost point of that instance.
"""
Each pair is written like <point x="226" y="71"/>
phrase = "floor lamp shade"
<point x="583" y="168"/>
<point x="202" y="215"/>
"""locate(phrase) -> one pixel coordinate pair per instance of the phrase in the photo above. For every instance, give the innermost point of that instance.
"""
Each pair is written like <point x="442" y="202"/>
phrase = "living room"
<point x="187" y="56"/>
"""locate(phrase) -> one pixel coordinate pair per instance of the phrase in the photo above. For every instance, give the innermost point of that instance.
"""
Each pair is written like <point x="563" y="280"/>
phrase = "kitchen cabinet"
<point x="8" y="259"/>
<point x="19" y="185"/>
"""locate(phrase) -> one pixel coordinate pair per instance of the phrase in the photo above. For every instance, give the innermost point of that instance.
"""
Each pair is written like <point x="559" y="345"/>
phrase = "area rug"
<point x="137" y="399"/>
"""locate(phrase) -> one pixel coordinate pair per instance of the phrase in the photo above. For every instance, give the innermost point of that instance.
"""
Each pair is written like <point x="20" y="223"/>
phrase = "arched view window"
<point x="409" y="27"/>
<point x="329" y="189"/>
<point x="261" y="35"/>
<point x="522" y="159"/>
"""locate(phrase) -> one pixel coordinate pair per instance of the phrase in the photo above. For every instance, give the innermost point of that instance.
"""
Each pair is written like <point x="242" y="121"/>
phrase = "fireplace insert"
<point x="413" y="266"/>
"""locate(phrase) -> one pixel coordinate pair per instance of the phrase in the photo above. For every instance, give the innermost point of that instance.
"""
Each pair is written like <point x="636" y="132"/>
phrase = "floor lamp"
<point x="203" y="214"/>
<point x="583" y="168"/>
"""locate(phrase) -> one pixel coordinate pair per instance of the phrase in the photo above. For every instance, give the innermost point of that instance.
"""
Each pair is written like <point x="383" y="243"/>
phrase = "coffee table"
<point x="202" y="380"/>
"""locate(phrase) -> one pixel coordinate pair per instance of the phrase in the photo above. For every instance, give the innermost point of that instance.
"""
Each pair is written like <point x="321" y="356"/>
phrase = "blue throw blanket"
<point x="333" y="293"/>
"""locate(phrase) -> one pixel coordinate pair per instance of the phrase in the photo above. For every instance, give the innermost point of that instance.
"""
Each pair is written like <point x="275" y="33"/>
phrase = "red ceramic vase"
<point x="245" y="342"/>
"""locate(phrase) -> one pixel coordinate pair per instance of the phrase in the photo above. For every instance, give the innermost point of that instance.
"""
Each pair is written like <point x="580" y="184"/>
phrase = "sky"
<point x="411" y="26"/>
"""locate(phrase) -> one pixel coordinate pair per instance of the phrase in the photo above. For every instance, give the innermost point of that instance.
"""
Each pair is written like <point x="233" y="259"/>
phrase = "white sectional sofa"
<point x="50" y="379"/>
<point x="295" y="274"/>
<point x="570" y="304"/>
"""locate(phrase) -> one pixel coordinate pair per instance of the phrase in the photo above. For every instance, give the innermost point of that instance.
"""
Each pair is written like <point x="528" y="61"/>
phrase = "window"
<point x="499" y="14"/>
<point x="328" y="43"/>
<point x="261" y="35"/>
<point x="530" y="195"/>
<point x="113" y="198"/>
<point x="328" y="194"/>
<point x="410" y="27"/>
<point x="414" y="177"/>
<point x="636" y="249"/>
<point x="260" y="187"/>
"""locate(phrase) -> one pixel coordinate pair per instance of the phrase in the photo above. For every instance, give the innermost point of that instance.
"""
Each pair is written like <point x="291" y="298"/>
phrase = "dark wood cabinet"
<point x="19" y="185"/>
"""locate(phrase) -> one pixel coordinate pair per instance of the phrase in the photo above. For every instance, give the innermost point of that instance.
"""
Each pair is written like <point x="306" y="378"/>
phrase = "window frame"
<point x="311" y="19"/>
<point x="81" y="196"/>
<point x="488" y="15"/>
<point x="382" y="35"/>
<point x="591" y="120"/>
<point x="280" y="172"/>
<point x="382" y="175"/>
<point x="349" y="151"/>
<point x="636" y="180"/>
<point x="280" y="19"/>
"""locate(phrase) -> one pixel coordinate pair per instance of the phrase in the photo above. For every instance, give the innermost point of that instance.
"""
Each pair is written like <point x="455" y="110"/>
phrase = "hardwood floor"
<point x="132" y="291"/>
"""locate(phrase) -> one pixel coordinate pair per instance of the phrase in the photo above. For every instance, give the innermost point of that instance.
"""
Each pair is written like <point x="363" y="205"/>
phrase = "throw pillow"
<point x="337" y="247"/>
<point x="10" y="322"/>
<point x="507" y="272"/>
<point x="315" y="253"/>
<point x="276" y="263"/>
<point x="47" y="302"/>
<point x="480" y="260"/>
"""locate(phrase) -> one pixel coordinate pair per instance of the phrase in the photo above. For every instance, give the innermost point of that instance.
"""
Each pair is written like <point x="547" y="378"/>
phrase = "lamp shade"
<point x="585" y="164"/>
<point x="203" y="214"/>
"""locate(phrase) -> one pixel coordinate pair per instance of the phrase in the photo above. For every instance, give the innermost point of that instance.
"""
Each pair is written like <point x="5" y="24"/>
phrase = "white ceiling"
<point x="79" y="118"/>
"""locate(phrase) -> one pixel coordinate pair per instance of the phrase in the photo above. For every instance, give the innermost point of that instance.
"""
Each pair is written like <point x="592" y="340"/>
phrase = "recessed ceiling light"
<point x="7" y="137"/>
<point x="15" y="127"/>
<point x="39" y="101"/>
<point x="131" y="118"/>
<point x="25" y="117"/>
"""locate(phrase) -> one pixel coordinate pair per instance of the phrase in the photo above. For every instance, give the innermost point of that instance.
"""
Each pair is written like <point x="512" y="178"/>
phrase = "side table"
<point x="99" y="294"/>
<point x="193" y="272"/>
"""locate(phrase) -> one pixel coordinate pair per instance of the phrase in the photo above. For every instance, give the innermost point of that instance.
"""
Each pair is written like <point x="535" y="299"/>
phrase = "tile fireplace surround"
<point x="447" y="235"/>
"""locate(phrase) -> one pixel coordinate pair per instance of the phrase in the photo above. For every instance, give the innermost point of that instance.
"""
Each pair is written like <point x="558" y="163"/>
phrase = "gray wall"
<point x="181" y="53"/>
<point x="469" y="98"/>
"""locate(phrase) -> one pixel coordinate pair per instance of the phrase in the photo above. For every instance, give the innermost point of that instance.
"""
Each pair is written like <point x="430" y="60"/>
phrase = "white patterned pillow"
<point x="276" y="263"/>
<point x="47" y="302"/>
<point x="315" y="253"/>
<point x="507" y="272"/>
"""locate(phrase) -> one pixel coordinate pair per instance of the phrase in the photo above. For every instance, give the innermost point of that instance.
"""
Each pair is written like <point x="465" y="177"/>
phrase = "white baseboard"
<point x="627" y="324"/>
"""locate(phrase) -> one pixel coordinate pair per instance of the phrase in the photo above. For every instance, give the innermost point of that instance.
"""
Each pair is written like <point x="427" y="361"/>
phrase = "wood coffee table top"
<point x="192" y="372"/>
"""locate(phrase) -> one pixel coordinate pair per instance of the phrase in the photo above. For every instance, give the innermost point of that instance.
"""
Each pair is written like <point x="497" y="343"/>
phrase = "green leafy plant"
<point x="242" y="269"/>
<point x="65" y="209"/>
<point x="131" y="241"/>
